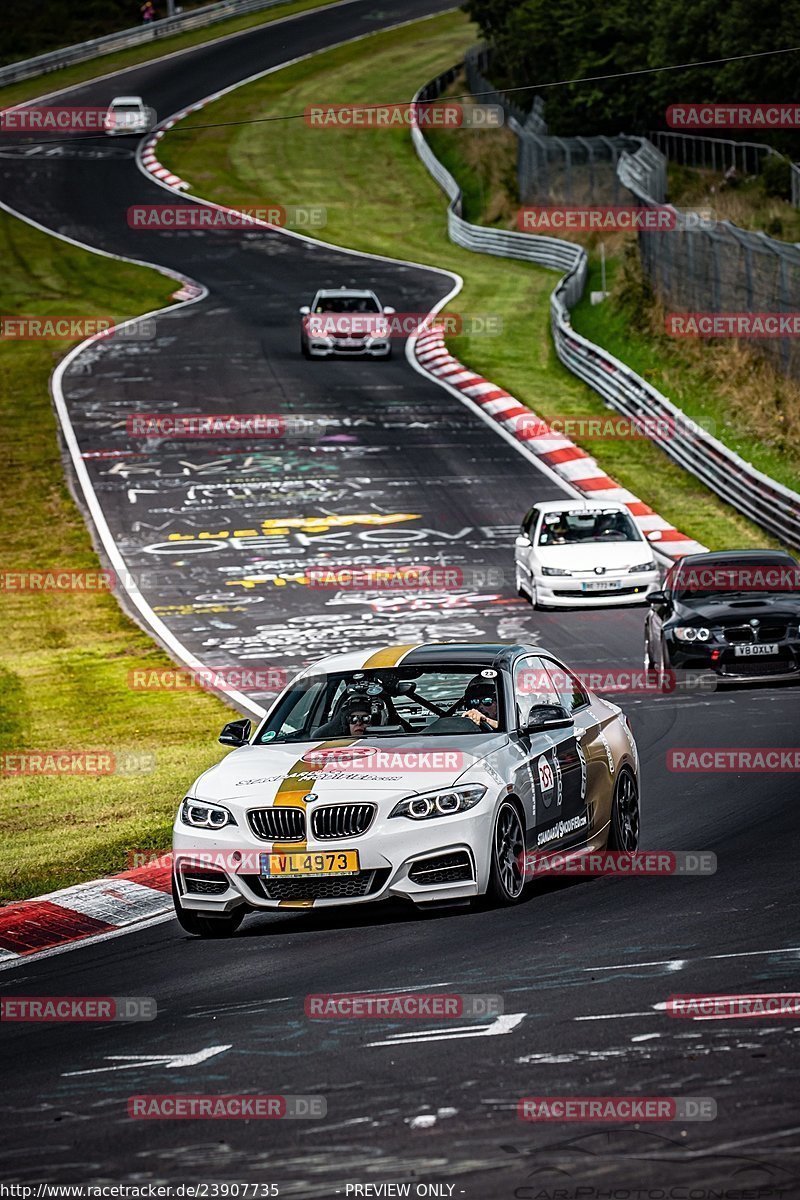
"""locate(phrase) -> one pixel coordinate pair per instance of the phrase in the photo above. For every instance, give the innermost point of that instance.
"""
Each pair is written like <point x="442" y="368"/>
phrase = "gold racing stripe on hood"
<point x="391" y="656"/>
<point x="291" y="794"/>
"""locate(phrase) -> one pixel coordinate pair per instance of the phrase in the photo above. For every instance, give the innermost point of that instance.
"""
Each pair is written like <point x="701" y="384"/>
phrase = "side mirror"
<point x="388" y="308"/>
<point x="236" y="733"/>
<point x="547" y="716"/>
<point x="305" y="310"/>
<point x="658" y="599"/>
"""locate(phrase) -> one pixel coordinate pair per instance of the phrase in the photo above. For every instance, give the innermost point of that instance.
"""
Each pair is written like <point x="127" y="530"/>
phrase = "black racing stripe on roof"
<point x="455" y="653"/>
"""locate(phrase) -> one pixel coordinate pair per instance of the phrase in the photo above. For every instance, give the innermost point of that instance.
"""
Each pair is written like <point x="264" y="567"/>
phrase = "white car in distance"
<point x="578" y="552"/>
<point x="127" y="115"/>
<point x="345" y="321"/>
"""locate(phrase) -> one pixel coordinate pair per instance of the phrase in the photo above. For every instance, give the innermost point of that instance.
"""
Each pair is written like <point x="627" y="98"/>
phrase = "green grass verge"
<point x="65" y="656"/>
<point x="53" y="81"/>
<point x="380" y="198"/>
<point x="749" y="203"/>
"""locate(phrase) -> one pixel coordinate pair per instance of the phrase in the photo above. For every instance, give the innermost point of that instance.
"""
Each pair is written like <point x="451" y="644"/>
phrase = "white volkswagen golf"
<point x="573" y="552"/>
<point x="429" y="773"/>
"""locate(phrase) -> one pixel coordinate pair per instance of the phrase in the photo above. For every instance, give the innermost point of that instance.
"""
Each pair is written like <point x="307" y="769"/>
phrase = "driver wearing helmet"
<point x="351" y="720"/>
<point x="480" y="700"/>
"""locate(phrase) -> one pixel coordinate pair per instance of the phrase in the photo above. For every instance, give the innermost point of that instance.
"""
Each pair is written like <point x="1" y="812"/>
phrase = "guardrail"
<point x="505" y="243"/>
<point x="771" y="505"/>
<point x="28" y="68"/>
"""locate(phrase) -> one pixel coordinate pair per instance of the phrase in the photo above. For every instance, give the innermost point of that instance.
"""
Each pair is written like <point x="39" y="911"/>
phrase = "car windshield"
<point x="387" y="702"/>
<point x="592" y="525"/>
<point x="723" y="580"/>
<point x="347" y="304"/>
<point x="126" y="108"/>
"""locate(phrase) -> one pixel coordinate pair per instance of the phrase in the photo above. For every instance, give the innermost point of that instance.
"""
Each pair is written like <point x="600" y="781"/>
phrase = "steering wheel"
<point x="483" y="724"/>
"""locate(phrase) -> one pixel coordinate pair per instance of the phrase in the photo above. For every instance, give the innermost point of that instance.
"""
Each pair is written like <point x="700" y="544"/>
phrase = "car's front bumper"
<point x="394" y="856"/>
<point x="567" y="591"/>
<point x="127" y="130"/>
<point x="721" y="658"/>
<point x="353" y="348"/>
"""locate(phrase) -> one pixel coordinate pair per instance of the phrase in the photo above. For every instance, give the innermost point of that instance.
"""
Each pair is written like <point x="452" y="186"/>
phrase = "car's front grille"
<point x="759" y="666"/>
<point x="205" y="885"/>
<point x="278" y="824"/>
<point x="330" y="887"/>
<point x="455" y="867"/>
<point x="745" y="634"/>
<point x="341" y="820"/>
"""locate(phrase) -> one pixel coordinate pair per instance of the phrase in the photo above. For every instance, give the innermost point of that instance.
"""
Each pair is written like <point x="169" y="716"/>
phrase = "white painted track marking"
<point x="504" y="1024"/>
<point x="169" y="1062"/>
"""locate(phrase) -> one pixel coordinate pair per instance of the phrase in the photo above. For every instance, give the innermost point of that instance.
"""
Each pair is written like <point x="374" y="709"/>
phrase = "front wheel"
<point x="522" y="591"/>
<point x="666" y="675"/>
<point x="624" y="831"/>
<point x="535" y="599"/>
<point x="206" y="927"/>
<point x="649" y="665"/>
<point x="507" y="874"/>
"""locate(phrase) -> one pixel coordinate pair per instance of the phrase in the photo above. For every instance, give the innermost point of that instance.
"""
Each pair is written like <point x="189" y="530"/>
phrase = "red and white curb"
<point x="150" y="158"/>
<point x="187" y="291"/>
<point x="85" y="910"/>
<point x="555" y="451"/>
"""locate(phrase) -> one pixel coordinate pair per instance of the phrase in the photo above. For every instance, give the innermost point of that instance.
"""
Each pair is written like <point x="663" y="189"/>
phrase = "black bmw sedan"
<point x="733" y="612"/>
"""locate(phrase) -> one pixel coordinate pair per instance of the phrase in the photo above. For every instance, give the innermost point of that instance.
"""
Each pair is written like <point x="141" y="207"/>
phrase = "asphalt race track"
<point x="582" y="965"/>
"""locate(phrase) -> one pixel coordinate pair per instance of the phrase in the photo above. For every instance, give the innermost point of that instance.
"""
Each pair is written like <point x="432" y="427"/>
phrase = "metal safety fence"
<point x="768" y="503"/>
<point x="209" y="14"/>
<point x="551" y="170"/>
<point x="702" y="266"/>
<point x="722" y="155"/>
<point x="716" y="267"/>
<point x="506" y="243"/>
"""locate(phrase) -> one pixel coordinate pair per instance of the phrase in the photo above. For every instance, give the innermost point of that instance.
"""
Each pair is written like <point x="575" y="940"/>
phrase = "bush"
<point x="777" y="177"/>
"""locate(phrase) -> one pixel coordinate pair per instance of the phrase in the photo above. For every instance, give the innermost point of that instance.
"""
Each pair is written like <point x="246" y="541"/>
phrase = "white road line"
<point x="501" y="1025"/>
<point x="665" y="962"/>
<point x="153" y="624"/>
<point x="169" y="1062"/>
<point x="614" y="1016"/>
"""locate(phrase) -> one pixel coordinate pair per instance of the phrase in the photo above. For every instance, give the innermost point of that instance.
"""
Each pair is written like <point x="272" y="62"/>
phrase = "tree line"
<point x="535" y="43"/>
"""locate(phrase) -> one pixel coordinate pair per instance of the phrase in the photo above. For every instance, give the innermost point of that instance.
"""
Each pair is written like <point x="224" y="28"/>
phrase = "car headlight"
<point x="439" y="804"/>
<point x="692" y="633"/>
<point x="205" y="816"/>
<point x="554" y="571"/>
<point x="648" y="566"/>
